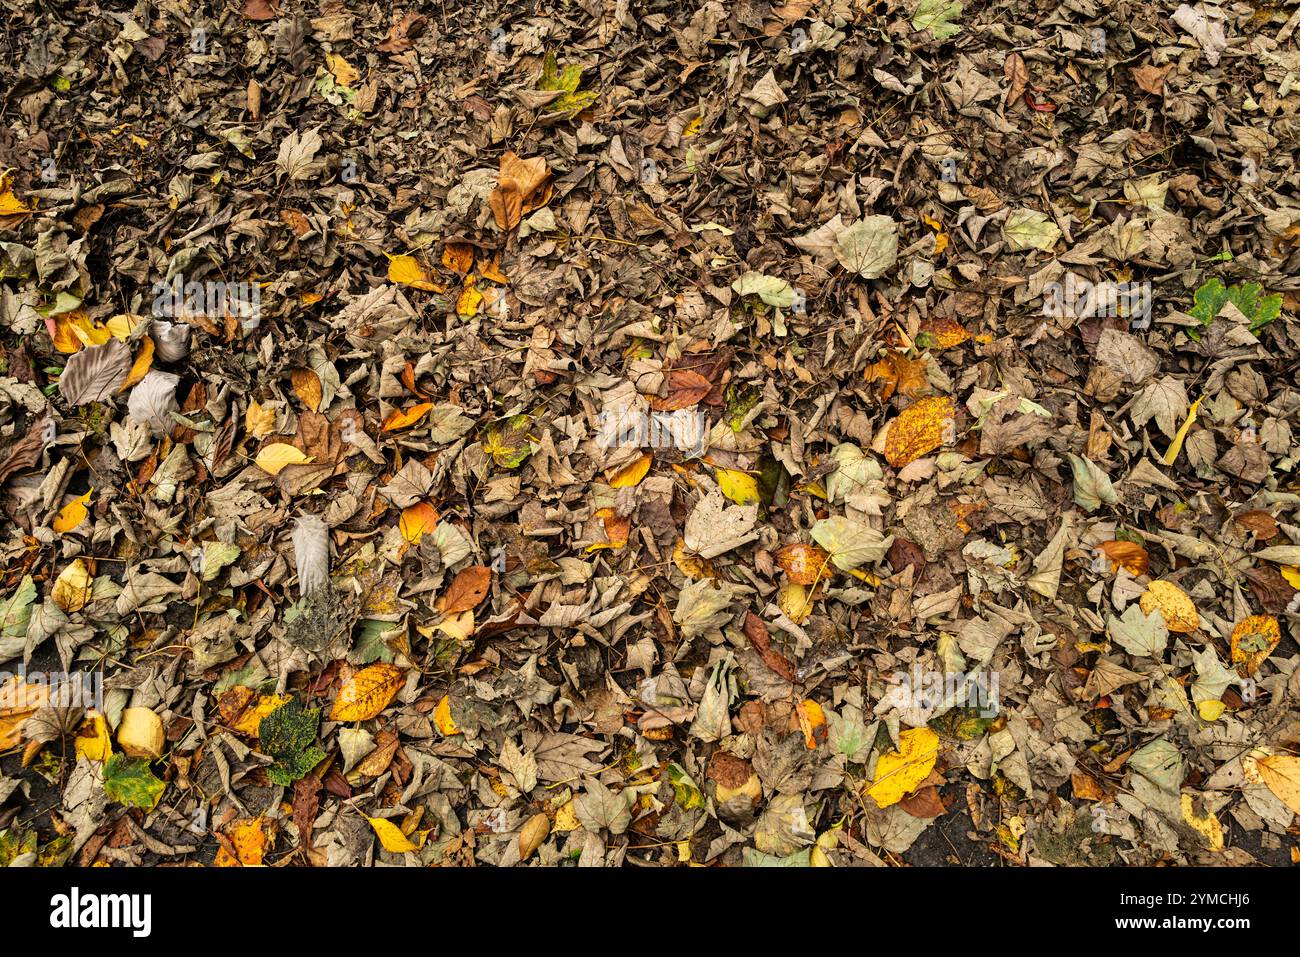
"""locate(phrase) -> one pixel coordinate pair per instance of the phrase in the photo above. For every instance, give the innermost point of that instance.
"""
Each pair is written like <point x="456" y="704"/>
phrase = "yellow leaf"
<point x="795" y="601"/>
<point x="1292" y="574"/>
<point x="408" y="271"/>
<point x="442" y="717"/>
<point x="274" y="457"/>
<point x="249" y="839"/>
<point x="468" y="301"/>
<point x="251" y="718"/>
<point x="740" y="487"/>
<point x="307" y="387"/>
<point x="416" y="520"/>
<point x="1207" y="826"/>
<point x="1175" y="606"/>
<point x="459" y="626"/>
<point x="93" y="740"/>
<point x="1176" y="445"/>
<point x="391" y="836"/>
<point x="902" y="771"/>
<point x="345" y="74"/>
<point x="401" y="419"/>
<point x="259" y="420"/>
<point x="629" y="476"/>
<point x="1253" y="640"/>
<point x="11" y="205"/>
<point x="139" y="368"/>
<point x="120" y="326"/>
<point x="812" y="722"/>
<point x="566" y="819"/>
<point x="1281" y="772"/>
<point x="919" y="429"/>
<point x="71" y="589"/>
<point x="368" y="693"/>
<point x="72" y="514"/>
<point x="1211" y="709"/>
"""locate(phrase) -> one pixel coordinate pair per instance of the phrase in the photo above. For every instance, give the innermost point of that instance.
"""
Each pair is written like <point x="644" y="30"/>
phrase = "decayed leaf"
<point x="1029" y="229"/>
<point x="1253" y="640"/>
<point x="1140" y="632"/>
<point x="805" y="564"/>
<point x="72" y="588"/>
<point x="368" y="693"/>
<point x="919" y="429"/>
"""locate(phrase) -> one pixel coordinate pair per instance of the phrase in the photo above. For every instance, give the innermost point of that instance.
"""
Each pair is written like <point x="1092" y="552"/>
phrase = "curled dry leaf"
<point x="311" y="554"/>
<point x="153" y="400"/>
<point x="1130" y="555"/>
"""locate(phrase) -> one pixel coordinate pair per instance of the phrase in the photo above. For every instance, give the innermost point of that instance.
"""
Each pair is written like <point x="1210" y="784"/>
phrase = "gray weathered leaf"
<point x="95" y="373"/>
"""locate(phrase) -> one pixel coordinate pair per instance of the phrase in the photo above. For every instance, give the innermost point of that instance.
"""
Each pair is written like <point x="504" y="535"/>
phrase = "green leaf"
<point x="1210" y="298"/>
<point x="131" y="781"/>
<point x="288" y="734"/>
<point x="1091" y="485"/>
<point x="850" y="543"/>
<point x="937" y="16"/>
<point x="771" y="289"/>
<point x="16" y="609"/>
<point x="566" y="80"/>
<point x="508" y="443"/>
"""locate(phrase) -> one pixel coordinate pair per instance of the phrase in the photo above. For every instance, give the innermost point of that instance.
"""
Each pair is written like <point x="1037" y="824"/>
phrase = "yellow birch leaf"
<point x="1292" y="574"/>
<point x="740" y="487"/>
<point x="72" y="514"/>
<point x="368" y="693"/>
<point x="919" y="429"/>
<point x="391" y="836"/>
<point x="629" y="476"/>
<point x="408" y="271"/>
<point x="468" y="301"/>
<point x="120" y="326"/>
<point x="442" y="717"/>
<point x="1281" y="772"/>
<point x="1176" y="445"/>
<point x="93" y="738"/>
<point x="274" y="457"/>
<point x="259" y="420"/>
<point x="139" y="368"/>
<point x="1208" y="826"/>
<point x="71" y="589"/>
<point x="1211" y="709"/>
<point x="902" y="771"/>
